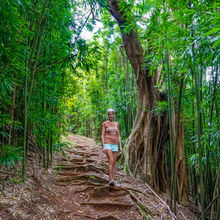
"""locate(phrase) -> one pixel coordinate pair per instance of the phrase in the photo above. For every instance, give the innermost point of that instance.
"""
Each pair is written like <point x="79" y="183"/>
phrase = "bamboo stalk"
<point x="172" y="149"/>
<point x="25" y="124"/>
<point x="12" y="115"/>
<point x="199" y="134"/>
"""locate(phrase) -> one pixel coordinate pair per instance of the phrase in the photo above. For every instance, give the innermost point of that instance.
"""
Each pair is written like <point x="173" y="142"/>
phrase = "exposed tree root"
<point x="101" y="191"/>
<point x="143" y="209"/>
<point x="85" y="189"/>
<point x="71" y="167"/>
<point x="83" y="160"/>
<point x="108" y="217"/>
<point x="70" y="151"/>
<point x="80" y="146"/>
<point x="82" y="153"/>
<point x="72" y="163"/>
<point x="85" y="167"/>
<point x="117" y="204"/>
<point x="66" y="179"/>
<point x="78" y="182"/>
<point x="127" y="189"/>
<point x="75" y="214"/>
<point x="118" y="194"/>
<point x="71" y="173"/>
<point x="81" y="177"/>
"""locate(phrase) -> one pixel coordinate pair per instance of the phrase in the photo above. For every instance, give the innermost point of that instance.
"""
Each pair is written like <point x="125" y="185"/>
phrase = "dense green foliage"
<point x="190" y="34"/>
<point x="35" y="42"/>
<point x="52" y="80"/>
<point x="102" y="84"/>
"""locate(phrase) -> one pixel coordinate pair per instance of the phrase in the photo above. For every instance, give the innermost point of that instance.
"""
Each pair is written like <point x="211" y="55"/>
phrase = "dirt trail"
<point x="78" y="189"/>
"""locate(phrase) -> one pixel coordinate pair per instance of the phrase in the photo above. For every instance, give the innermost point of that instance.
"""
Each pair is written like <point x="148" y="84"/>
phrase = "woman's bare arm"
<point x="102" y="136"/>
<point x="119" y="140"/>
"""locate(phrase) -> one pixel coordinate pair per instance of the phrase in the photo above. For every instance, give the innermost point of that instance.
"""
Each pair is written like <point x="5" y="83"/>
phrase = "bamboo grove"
<point x="37" y="40"/>
<point x="52" y="81"/>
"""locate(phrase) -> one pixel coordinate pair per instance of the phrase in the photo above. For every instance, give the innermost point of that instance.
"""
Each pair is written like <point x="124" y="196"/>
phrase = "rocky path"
<point x="77" y="188"/>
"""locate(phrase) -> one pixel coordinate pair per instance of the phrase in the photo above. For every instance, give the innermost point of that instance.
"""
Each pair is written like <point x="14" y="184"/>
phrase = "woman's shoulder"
<point x="116" y="123"/>
<point x="104" y="123"/>
<point x="107" y="123"/>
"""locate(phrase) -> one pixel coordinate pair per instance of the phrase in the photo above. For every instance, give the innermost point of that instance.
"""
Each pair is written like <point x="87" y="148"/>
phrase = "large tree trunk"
<point x="145" y="145"/>
<point x="149" y="134"/>
<point x="178" y="136"/>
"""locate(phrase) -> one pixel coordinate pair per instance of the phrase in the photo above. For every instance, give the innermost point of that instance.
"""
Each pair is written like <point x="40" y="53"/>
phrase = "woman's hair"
<point x="110" y="110"/>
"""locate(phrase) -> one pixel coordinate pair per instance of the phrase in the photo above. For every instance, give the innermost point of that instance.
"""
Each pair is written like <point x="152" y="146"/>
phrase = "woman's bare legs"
<point x="115" y="154"/>
<point x="112" y="158"/>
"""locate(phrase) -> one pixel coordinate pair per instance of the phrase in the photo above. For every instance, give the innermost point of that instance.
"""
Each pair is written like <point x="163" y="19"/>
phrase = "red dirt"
<point x="77" y="188"/>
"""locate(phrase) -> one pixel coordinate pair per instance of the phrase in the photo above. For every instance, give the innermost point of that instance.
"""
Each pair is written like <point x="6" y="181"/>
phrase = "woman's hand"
<point x="121" y="151"/>
<point x="103" y="150"/>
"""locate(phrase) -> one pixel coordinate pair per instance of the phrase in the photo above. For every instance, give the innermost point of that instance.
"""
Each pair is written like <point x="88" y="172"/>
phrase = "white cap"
<point x="110" y="110"/>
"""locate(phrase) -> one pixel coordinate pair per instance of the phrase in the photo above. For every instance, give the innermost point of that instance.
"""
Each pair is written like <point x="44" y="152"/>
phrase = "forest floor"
<point x="76" y="187"/>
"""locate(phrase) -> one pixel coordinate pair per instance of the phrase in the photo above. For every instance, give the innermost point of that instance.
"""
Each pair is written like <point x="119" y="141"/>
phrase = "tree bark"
<point x="180" y="165"/>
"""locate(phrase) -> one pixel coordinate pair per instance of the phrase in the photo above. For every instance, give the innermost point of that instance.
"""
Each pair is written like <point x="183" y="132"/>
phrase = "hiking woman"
<point x="110" y="141"/>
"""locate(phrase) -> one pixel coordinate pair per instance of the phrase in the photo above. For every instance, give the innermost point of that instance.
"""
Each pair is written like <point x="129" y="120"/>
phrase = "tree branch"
<point x="56" y="63"/>
<point x="134" y="52"/>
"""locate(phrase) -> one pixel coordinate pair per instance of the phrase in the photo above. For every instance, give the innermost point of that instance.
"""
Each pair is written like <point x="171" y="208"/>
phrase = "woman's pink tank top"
<point x="111" y="132"/>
